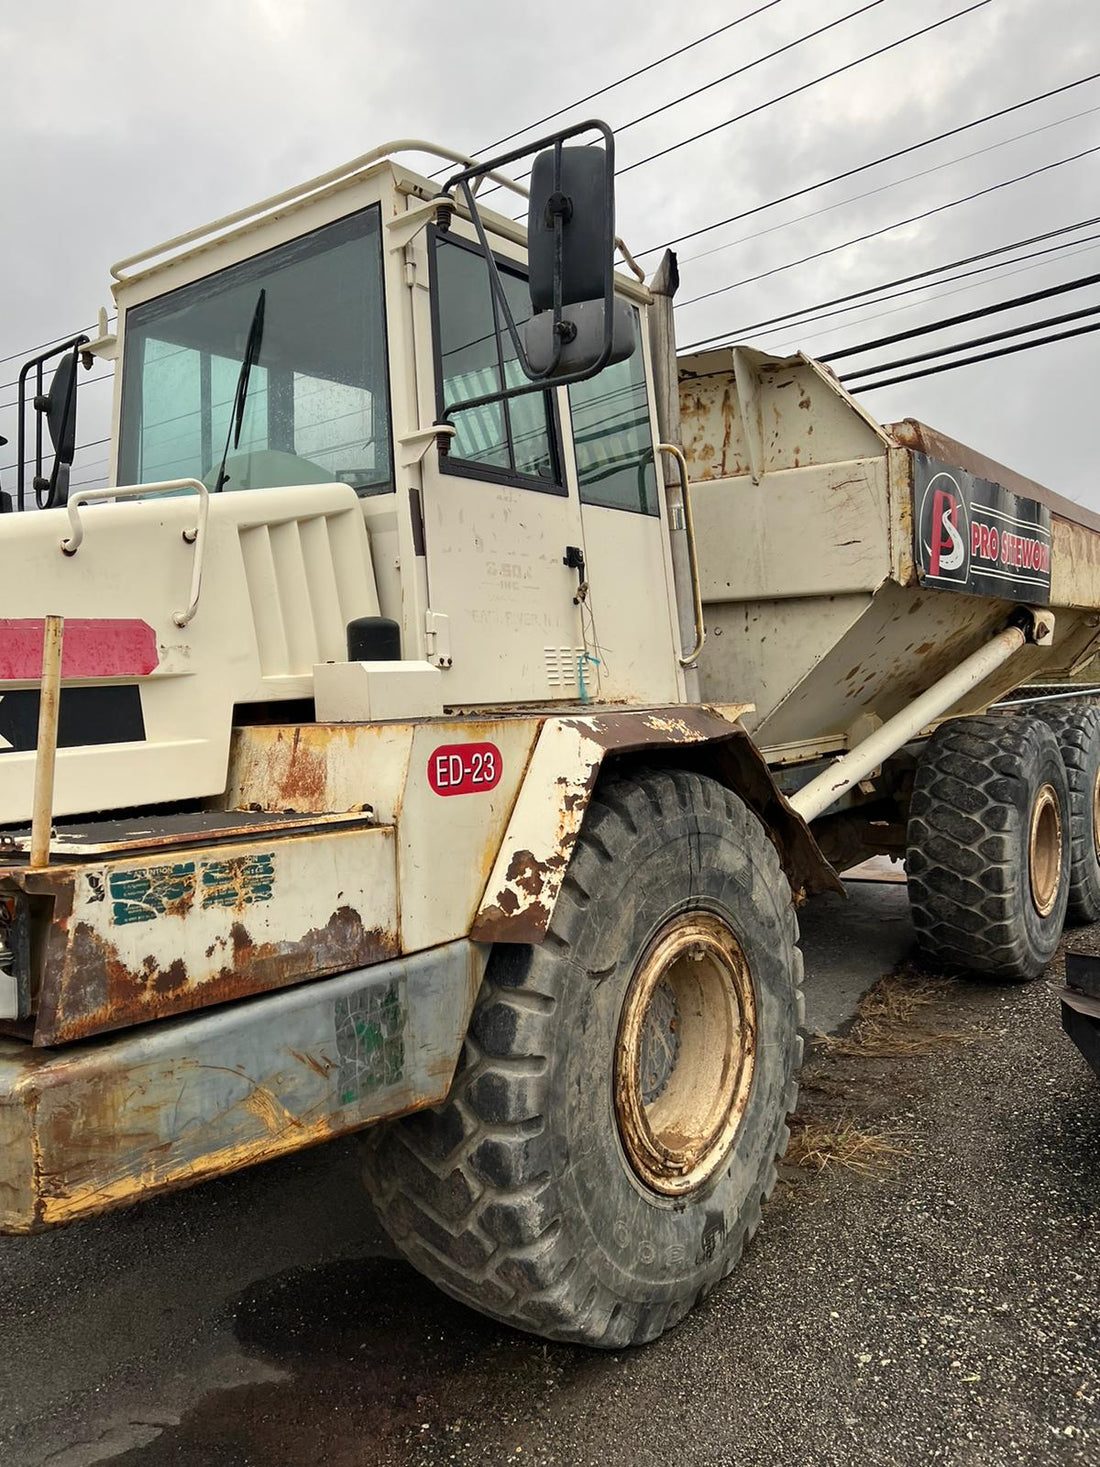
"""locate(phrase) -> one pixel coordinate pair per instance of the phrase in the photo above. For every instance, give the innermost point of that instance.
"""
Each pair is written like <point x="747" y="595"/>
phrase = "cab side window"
<point x="512" y="441"/>
<point x="612" y="437"/>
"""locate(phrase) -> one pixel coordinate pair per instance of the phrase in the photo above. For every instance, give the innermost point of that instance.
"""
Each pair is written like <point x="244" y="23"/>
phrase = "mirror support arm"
<point x="538" y="380"/>
<point x="36" y="364"/>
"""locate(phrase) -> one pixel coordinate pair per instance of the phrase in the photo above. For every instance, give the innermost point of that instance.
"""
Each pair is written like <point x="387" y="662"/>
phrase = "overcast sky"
<point x="126" y="121"/>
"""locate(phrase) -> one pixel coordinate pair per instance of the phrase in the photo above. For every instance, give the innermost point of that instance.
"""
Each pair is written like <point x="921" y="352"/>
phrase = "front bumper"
<point x="107" y="1122"/>
<point x="1081" y="1021"/>
<point x="1081" y="1005"/>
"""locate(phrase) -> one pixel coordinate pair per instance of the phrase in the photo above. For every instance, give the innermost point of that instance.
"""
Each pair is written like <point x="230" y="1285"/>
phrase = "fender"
<point x="563" y="772"/>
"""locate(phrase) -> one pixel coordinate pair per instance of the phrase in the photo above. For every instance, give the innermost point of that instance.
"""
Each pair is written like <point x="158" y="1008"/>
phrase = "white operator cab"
<point x="528" y="562"/>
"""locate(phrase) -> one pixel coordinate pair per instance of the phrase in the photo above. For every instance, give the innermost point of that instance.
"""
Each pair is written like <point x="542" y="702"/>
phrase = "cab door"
<point x="630" y="609"/>
<point x="502" y="531"/>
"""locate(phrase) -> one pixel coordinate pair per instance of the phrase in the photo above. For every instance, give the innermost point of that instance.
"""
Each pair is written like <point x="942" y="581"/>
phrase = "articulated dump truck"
<point x="435" y="727"/>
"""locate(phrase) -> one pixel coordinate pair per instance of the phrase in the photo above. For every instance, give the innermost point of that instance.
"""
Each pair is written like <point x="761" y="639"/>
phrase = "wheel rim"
<point x="1045" y="850"/>
<point x="686" y="1052"/>
<point x="1096" y="815"/>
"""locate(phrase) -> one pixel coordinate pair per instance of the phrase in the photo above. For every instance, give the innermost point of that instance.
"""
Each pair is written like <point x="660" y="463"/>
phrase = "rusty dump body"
<point x="230" y="976"/>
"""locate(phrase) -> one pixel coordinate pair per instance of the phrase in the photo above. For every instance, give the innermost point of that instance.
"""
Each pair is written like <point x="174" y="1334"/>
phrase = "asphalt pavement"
<point x="947" y="1311"/>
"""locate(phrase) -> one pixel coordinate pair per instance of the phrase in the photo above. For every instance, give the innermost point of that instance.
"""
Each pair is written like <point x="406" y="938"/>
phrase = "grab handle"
<point x="196" y="537"/>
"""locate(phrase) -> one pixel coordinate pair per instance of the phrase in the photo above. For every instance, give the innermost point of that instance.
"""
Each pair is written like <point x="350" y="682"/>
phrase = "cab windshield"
<point x="317" y="408"/>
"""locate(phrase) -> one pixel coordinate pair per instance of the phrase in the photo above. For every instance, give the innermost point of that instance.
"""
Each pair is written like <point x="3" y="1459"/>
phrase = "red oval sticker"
<point x="464" y="769"/>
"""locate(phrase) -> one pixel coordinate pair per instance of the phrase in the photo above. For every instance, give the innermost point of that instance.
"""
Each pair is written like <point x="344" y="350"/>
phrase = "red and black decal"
<point x="86" y="716"/>
<point x="973" y="535"/>
<point x="464" y="769"/>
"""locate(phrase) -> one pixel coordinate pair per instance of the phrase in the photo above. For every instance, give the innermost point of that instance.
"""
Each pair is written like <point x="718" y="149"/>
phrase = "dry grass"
<point x="817" y="1144"/>
<point x="894" y="1019"/>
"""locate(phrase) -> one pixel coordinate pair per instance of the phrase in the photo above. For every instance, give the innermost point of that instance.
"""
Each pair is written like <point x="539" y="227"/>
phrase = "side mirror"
<point x="576" y="327"/>
<point x="570" y="258"/>
<point x="582" y="197"/>
<point x="59" y="408"/>
<point x="584" y="347"/>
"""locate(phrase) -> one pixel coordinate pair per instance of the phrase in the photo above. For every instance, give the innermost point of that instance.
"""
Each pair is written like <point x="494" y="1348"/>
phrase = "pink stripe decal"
<point x="94" y="647"/>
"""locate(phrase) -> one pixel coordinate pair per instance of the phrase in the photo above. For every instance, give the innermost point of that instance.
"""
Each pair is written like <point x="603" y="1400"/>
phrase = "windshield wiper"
<point x="251" y="354"/>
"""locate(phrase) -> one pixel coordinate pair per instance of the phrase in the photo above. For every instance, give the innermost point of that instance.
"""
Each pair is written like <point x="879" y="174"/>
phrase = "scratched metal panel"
<point x="799" y="532"/>
<point x="101" y="1125"/>
<point x="146" y="936"/>
<point x="902" y="642"/>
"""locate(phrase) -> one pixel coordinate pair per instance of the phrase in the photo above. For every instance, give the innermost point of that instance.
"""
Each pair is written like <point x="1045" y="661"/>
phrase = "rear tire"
<point x="1078" y="733"/>
<point x="556" y="1189"/>
<point x="988" y="856"/>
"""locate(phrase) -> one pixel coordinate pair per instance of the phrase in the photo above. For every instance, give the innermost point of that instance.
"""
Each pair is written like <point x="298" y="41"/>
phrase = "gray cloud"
<point x="127" y="122"/>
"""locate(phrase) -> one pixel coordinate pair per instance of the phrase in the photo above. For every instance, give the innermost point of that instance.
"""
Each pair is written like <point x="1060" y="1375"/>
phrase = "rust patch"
<point x="172" y="977"/>
<point x="93" y="990"/>
<point x="303" y="784"/>
<point x="525" y="872"/>
<point x="494" y="924"/>
<point x="680" y="723"/>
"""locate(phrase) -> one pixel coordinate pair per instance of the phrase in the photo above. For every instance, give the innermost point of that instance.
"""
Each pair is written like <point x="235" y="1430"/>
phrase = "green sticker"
<point x="147" y="892"/>
<point x="370" y="1039"/>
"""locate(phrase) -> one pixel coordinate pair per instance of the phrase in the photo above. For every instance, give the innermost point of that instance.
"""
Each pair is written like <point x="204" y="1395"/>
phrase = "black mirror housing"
<point x="583" y="350"/>
<point x="583" y="198"/>
<point x="60" y="409"/>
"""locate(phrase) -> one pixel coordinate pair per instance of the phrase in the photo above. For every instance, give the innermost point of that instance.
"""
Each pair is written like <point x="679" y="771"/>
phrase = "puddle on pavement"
<point x="380" y="1361"/>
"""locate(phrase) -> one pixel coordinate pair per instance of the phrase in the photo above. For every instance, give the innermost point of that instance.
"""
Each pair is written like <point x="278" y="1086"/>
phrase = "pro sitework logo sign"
<point x="971" y="535"/>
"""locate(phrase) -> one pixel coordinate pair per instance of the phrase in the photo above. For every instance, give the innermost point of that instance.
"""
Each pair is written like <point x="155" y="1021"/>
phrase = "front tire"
<point x="622" y="1099"/>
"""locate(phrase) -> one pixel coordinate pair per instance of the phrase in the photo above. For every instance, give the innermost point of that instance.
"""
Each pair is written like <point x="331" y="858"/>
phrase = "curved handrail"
<point x="689" y="525"/>
<point x="196" y="537"/>
<point x="344" y="173"/>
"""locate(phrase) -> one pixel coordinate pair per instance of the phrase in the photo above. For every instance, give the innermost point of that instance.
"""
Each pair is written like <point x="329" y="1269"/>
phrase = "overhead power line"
<point x="1009" y="305"/>
<point x="888" y="228"/>
<point x="748" y="66"/>
<point x="985" y="356"/>
<point x="80" y="382"/>
<point x="940" y="351"/>
<point x="30" y="351"/>
<point x="95" y="443"/>
<point x="884" y="187"/>
<point x="873" y="163"/>
<point x="620" y="81"/>
<point x="799" y="40"/>
<point x="805" y="86"/>
<point x="798" y="342"/>
<point x="857" y="295"/>
<point x="1070" y="246"/>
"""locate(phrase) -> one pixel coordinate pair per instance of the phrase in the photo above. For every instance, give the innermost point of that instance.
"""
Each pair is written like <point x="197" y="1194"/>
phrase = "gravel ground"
<point x="947" y="1312"/>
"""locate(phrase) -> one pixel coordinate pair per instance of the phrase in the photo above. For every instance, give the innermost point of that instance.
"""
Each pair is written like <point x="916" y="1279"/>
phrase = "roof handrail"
<point x="345" y="173"/>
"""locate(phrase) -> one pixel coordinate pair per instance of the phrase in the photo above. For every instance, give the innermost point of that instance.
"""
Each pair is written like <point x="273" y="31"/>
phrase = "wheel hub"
<point x="685" y="1054"/>
<point x="1045" y="850"/>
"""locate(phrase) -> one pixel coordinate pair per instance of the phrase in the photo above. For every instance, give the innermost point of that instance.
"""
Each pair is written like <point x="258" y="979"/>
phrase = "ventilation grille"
<point x="304" y="588"/>
<point x="561" y="665"/>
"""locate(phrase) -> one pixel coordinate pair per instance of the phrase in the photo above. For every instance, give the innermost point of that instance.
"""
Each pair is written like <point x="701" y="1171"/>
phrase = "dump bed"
<point x="846" y="565"/>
